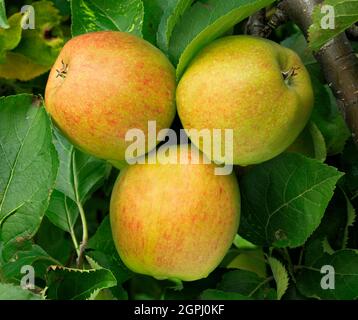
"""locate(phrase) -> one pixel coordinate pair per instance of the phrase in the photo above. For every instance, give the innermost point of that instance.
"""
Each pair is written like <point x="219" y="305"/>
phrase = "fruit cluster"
<point x="177" y="220"/>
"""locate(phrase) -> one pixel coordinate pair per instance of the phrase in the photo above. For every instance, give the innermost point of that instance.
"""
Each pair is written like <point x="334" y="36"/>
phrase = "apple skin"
<point x="174" y="221"/>
<point x="237" y="83"/>
<point x="115" y="81"/>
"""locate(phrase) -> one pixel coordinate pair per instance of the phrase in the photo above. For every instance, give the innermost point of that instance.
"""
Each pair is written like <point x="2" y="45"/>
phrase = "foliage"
<point x="345" y="14"/>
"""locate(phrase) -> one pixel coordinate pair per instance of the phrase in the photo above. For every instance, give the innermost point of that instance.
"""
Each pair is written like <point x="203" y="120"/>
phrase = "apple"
<point x="174" y="221"/>
<point x="257" y="88"/>
<point x="106" y="83"/>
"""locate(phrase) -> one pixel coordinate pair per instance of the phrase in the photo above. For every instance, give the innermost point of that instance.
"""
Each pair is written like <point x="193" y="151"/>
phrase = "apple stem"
<point x="288" y="75"/>
<point x="84" y="241"/>
<point x="290" y="264"/>
<point x="72" y="232"/>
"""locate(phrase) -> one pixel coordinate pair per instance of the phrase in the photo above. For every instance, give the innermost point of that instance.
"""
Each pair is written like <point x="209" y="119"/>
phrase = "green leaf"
<point x="89" y="171"/>
<point x="310" y="143"/>
<point x="117" y="291"/>
<point x="172" y="14"/>
<point x="64" y="6"/>
<point x="319" y="144"/>
<point x="213" y="294"/>
<point x="251" y="260"/>
<point x="102" y="239"/>
<point x="153" y="11"/>
<point x="284" y="199"/>
<point x="42" y="44"/>
<point x="12" y="270"/>
<point x="3" y="21"/>
<point x="345" y="264"/>
<point x="345" y="14"/>
<point x="280" y="274"/>
<point x="102" y="294"/>
<point x="17" y="66"/>
<point x="38" y="48"/>
<point x="10" y="38"/>
<point x="105" y="252"/>
<point x="327" y="247"/>
<point x="241" y="243"/>
<point x="79" y="176"/>
<point x="54" y="241"/>
<point x="74" y="284"/>
<point x="205" y="21"/>
<point x="246" y="256"/>
<point x="62" y="211"/>
<point x="293" y="293"/>
<point x="333" y="223"/>
<point x="116" y="15"/>
<point x="328" y="119"/>
<point x="11" y="292"/>
<point x="313" y="251"/>
<point x="93" y="264"/>
<point x="28" y="168"/>
<point x="246" y="283"/>
<point x="351" y="218"/>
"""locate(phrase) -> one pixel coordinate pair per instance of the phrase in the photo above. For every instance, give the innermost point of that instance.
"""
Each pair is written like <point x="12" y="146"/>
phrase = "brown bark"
<point x="258" y="25"/>
<point x="352" y="32"/>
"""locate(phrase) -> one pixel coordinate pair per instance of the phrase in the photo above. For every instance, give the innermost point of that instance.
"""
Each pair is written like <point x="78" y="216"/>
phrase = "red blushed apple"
<point x="174" y="221"/>
<point x="106" y="83"/>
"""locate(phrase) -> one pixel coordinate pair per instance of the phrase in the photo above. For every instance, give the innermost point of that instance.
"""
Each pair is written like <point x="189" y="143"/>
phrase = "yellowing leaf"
<point x="280" y="275"/>
<point x="17" y="66"/>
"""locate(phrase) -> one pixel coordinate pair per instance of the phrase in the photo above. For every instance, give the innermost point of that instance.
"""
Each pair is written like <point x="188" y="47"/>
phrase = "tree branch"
<point x="337" y="59"/>
<point x="258" y="25"/>
<point x="352" y="32"/>
<point x="278" y="18"/>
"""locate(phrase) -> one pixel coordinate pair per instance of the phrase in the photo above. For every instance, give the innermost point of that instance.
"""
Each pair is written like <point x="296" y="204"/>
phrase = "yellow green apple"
<point x="106" y="83"/>
<point x="257" y="88"/>
<point x="175" y="220"/>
